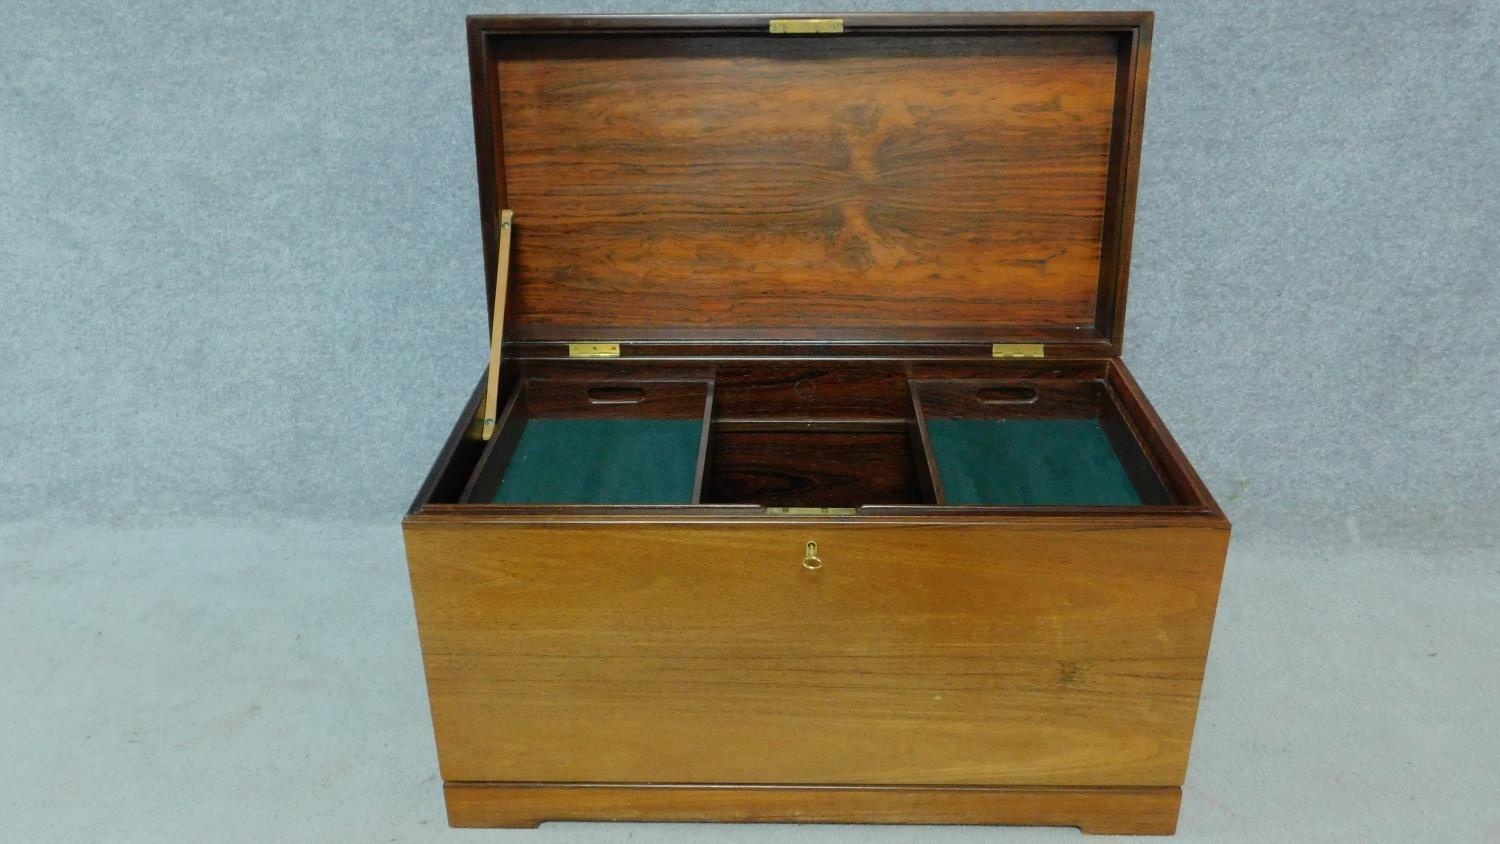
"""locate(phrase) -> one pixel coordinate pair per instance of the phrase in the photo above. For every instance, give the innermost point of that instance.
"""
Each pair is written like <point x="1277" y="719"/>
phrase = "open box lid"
<point x="870" y="184"/>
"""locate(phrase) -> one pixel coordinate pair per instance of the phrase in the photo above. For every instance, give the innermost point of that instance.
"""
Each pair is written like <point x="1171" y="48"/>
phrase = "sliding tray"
<point x="1032" y="442"/>
<point x="597" y="442"/>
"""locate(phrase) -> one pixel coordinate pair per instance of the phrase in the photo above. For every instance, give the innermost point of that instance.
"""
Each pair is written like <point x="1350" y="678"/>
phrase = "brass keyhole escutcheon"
<point x="811" y="561"/>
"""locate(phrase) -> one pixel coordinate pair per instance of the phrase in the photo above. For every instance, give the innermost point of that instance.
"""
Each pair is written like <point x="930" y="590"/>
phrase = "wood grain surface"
<point x="1109" y="811"/>
<point x="1061" y="651"/>
<point x="616" y="398"/>
<point x="881" y="186"/>
<point x="810" y="465"/>
<point x="1018" y="398"/>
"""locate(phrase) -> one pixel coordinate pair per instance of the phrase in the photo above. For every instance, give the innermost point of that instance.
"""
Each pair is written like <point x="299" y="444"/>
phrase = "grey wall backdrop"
<point x="241" y="303"/>
<point x="240" y="267"/>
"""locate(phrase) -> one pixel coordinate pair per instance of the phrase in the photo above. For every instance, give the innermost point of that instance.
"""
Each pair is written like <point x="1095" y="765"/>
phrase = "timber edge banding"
<point x="1093" y="810"/>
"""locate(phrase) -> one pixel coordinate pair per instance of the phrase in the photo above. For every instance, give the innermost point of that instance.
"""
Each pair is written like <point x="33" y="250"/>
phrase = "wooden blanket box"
<point x="806" y="483"/>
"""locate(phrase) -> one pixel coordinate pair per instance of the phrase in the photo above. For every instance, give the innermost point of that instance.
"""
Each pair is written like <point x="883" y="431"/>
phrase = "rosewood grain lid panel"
<point x="741" y="186"/>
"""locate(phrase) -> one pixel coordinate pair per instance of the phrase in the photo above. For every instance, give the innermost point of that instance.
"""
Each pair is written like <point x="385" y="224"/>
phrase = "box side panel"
<point x="450" y="469"/>
<point x="1153" y="435"/>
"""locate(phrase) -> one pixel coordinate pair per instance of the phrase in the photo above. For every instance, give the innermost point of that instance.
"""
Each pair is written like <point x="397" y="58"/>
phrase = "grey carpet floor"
<point x="231" y="682"/>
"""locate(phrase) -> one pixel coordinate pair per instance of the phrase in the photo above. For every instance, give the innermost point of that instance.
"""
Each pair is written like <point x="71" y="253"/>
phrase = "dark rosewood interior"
<point x="811" y="464"/>
<point x="834" y="433"/>
<point x="889" y="185"/>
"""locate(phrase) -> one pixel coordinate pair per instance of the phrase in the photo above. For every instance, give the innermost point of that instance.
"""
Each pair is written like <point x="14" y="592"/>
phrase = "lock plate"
<point x="810" y="560"/>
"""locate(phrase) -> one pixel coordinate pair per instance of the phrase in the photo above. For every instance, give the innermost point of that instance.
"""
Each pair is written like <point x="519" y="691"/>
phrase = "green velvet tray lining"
<point x="603" y="461"/>
<point x="1028" y="462"/>
<point x="1016" y="462"/>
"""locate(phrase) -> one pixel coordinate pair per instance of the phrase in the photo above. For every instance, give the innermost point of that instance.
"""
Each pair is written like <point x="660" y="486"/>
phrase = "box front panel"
<point x="1034" y="652"/>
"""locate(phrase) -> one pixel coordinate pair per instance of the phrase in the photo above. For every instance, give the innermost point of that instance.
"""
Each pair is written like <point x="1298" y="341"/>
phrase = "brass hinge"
<point x="813" y="511"/>
<point x="807" y="26"/>
<point x="1018" y="350"/>
<point x="593" y="350"/>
